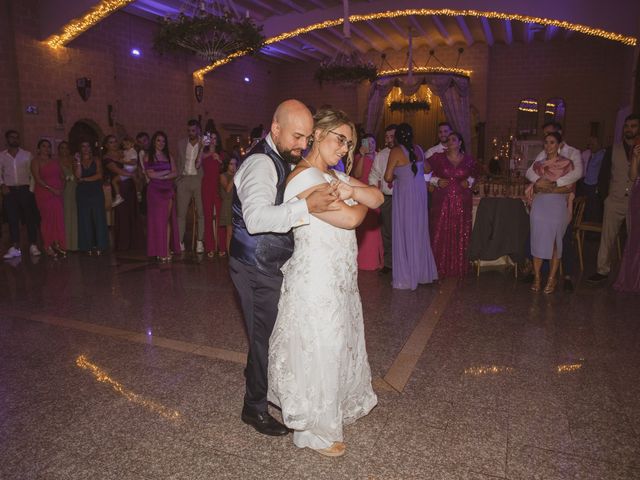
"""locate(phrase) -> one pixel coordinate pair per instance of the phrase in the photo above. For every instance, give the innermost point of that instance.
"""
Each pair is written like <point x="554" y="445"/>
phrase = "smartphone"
<point x="365" y="145"/>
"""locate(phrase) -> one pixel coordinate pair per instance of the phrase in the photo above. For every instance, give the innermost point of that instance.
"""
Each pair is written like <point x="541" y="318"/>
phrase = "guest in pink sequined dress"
<point x="451" y="207"/>
<point x="369" y="237"/>
<point x="629" y="275"/>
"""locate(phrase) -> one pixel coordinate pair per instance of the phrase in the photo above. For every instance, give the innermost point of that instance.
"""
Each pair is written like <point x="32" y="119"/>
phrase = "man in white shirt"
<point x="262" y="242"/>
<point x="189" y="181"/>
<point x="573" y="154"/>
<point x="376" y="178"/>
<point x="444" y="130"/>
<point x="15" y="180"/>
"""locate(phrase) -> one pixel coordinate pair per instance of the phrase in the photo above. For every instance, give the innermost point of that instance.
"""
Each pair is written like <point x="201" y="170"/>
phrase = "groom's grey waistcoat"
<point x="267" y="251"/>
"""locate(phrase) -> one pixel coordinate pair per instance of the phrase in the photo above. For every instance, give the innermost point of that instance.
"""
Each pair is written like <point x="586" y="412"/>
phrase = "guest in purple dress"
<point x="161" y="208"/>
<point x="629" y="275"/>
<point x="413" y="261"/>
<point x="452" y="204"/>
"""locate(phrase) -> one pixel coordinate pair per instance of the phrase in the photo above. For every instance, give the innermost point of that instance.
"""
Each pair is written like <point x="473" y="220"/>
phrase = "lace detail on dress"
<point x="318" y="367"/>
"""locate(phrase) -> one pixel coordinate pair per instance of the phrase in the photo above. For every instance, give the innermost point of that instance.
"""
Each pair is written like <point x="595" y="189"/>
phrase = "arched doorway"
<point x="82" y="131"/>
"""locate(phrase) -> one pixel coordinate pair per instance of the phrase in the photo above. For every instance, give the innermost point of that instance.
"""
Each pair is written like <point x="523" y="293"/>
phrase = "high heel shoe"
<point x="551" y="285"/>
<point x="537" y="282"/>
<point x="50" y="252"/>
<point x="60" y="251"/>
<point x="337" y="449"/>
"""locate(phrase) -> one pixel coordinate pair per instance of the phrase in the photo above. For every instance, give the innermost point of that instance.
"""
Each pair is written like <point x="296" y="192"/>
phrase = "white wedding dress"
<point x="319" y="373"/>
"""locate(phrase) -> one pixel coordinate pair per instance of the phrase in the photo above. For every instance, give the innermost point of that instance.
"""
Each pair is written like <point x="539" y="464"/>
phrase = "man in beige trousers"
<point x="189" y="181"/>
<point x="614" y="186"/>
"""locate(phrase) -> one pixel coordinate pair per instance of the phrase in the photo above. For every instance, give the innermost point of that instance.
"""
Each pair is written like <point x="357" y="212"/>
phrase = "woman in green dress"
<point x="69" y="196"/>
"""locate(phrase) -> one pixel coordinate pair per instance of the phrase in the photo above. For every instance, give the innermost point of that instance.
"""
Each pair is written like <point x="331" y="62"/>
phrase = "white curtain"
<point x="453" y="91"/>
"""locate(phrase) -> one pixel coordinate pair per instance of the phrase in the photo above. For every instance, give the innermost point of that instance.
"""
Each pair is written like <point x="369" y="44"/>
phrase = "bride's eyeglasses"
<point x="342" y="140"/>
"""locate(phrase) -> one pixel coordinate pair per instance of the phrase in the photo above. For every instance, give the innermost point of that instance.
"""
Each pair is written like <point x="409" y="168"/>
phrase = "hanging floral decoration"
<point x="419" y="101"/>
<point x="410" y="106"/>
<point x="210" y="36"/>
<point x="345" y="68"/>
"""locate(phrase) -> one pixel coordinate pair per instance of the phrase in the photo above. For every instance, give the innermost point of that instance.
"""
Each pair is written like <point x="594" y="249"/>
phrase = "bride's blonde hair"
<point x="329" y="119"/>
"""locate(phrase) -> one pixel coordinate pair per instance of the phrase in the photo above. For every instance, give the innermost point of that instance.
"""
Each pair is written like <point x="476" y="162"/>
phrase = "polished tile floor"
<point x="112" y="367"/>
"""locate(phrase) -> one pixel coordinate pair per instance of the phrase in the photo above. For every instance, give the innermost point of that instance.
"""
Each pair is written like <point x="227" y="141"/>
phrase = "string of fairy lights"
<point x="405" y="70"/>
<point x="75" y="27"/>
<point x="597" y="32"/>
<point x="105" y="7"/>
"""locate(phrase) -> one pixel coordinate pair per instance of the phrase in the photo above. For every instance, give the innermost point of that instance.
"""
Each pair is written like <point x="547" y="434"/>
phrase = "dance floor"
<point x="114" y="368"/>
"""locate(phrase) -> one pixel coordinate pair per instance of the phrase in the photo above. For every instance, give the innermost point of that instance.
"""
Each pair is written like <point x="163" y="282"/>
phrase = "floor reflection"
<point x="103" y="377"/>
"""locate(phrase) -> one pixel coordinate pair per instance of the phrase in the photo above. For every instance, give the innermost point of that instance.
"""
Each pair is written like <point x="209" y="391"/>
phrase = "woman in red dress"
<point x="211" y="202"/>
<point x="49" y="188"/>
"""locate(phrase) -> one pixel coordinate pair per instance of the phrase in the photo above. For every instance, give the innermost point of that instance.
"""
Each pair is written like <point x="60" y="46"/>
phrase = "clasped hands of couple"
<point x="443" y="183"/>
<point x="544" y="185"/>
<point x="328" y="197"/>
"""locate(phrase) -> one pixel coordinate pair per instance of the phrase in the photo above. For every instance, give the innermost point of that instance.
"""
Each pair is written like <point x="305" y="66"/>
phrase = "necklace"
<point x="308" y="163"/>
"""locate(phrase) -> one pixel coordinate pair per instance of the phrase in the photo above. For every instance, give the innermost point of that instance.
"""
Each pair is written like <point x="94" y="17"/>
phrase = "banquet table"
<point x="500" y="231"/>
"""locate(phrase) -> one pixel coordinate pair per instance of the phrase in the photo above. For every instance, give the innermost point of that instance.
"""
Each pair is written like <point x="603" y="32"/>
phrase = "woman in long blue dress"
<point x="93" y="235"/>
<point x="413" y="261"/>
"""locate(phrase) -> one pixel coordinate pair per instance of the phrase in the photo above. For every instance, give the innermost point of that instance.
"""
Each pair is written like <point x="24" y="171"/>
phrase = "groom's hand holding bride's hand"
<point x="344" y="191"/>
<point x="323" y="199"/>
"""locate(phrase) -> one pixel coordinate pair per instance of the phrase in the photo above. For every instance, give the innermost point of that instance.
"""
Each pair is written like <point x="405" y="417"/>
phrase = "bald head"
<point x="291" y="127"/>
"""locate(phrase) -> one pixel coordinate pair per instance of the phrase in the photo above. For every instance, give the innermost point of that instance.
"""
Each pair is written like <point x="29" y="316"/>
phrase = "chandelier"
<point x="212" y="30"/>
<point x="347" y="66"/>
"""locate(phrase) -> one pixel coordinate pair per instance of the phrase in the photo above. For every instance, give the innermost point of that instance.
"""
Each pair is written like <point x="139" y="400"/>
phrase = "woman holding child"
<point x="122" y="167"/>
<point x="551" y="210"/>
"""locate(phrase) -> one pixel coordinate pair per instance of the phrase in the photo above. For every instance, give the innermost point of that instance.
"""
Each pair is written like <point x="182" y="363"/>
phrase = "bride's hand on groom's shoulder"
<point x="323" y="199"/>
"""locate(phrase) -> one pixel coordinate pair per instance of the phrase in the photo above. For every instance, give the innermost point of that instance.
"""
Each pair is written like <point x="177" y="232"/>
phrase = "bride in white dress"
<point x="319" y="373"/>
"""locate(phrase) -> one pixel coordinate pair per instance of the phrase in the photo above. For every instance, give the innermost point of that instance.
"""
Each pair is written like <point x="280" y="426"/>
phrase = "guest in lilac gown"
<point x="413" y="261"/>
<point x="629" y="275"/>
<point x="551" y="210"/>
<point x="452" y="203"/>
<point x="162" y="223"/>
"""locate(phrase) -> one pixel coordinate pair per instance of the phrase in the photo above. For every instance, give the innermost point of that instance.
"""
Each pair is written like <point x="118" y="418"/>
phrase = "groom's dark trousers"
<point x="259" y="295"/>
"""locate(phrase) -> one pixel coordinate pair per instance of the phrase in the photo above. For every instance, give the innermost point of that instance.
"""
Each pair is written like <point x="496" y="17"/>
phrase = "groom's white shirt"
<point x="255" y="183"/>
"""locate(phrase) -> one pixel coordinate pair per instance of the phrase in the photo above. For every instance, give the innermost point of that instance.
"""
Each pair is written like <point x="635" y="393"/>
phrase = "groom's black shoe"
<point x="264" y="423"/>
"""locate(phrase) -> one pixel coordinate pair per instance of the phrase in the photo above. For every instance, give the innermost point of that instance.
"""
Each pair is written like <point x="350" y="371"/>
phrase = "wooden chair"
<point x="580" y="227"/>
